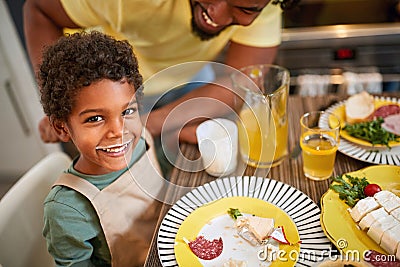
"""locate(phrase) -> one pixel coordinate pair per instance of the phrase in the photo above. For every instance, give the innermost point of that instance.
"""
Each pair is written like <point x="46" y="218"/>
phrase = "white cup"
<point x="218" y="145"/>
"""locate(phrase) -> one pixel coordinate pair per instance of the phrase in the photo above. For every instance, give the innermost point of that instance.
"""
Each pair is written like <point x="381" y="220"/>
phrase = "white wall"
<point x="20" y="109"/>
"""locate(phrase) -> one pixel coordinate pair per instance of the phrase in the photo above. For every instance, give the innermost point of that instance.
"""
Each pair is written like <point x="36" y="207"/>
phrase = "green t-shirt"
<point x="71" y="226"/>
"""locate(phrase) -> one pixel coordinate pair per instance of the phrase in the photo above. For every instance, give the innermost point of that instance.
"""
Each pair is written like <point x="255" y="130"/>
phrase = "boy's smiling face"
<point x="104" y="125"/>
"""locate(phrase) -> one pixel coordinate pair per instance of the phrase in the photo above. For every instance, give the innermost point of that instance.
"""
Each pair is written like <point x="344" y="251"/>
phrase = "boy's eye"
<point x="94" y="119"/>
<point x="129" y="111"/>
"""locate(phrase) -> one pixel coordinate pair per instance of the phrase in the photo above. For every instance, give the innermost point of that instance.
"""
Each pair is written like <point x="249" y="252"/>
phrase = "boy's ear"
<point x="61" y="130"/>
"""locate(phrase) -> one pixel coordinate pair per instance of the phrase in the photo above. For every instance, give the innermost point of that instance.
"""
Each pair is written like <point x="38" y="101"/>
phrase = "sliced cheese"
<point x="371" y="217"/>
<point x="260" y="227"/>
<point x="391" y="239"/>
<point x="241" y="221"/>
<point x="362" y="207"/>
<point x="383" y="196"/>
<point x="380" y="226"/>
<point x="382" y="223"/>
<point x="391" y="204"/>
<point x="396" y="213"/>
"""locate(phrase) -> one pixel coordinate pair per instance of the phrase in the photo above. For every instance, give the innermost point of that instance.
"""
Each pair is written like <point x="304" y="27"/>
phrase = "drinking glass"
<point x="262" y="92"/>
<point x="319" y="141"/>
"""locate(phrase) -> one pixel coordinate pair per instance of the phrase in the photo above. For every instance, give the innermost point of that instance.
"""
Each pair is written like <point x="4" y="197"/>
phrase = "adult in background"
<point x="165" y="33"/>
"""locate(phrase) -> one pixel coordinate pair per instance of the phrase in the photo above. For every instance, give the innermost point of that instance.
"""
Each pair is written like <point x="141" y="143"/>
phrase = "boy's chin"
<point x="128" y="159"/>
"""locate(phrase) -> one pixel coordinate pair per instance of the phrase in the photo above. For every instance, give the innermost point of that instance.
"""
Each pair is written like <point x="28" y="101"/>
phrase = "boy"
<point x="99" y="212"/>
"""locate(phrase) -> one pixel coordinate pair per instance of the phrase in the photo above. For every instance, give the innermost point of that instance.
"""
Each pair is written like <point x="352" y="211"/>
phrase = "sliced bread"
<point x="359" y="107"/>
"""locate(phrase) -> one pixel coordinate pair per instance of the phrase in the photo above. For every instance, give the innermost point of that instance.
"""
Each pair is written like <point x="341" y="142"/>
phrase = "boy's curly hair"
<point x="79" y="60"/>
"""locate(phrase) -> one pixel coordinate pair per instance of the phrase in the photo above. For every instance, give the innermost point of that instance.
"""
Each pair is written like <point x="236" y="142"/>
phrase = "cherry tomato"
<point x="371" y="189"/>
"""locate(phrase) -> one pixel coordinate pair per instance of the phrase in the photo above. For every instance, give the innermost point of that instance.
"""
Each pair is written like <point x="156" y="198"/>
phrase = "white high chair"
<point x="21" y="214"/>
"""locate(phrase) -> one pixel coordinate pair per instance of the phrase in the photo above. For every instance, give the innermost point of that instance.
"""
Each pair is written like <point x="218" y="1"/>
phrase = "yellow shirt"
<point x="161" y="36"/>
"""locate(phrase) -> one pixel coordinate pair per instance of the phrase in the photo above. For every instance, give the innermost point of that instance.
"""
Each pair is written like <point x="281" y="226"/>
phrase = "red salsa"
<point x="206" y="249"/>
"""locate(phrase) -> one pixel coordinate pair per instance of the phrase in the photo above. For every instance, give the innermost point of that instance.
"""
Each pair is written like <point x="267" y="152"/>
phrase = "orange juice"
<point x="319" y="151"/>
<point x="262" y="93"/>
<point x="262" y="138"/>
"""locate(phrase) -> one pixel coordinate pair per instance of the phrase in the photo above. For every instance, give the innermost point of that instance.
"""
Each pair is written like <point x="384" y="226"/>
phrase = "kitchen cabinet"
<point x="20" y="109"/>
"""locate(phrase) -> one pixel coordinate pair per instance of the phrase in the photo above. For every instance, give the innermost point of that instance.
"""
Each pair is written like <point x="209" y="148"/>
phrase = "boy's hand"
<point x="47" y="133"/>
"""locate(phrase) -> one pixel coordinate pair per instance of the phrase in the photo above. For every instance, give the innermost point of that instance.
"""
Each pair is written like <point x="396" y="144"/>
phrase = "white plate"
<point x="303" y="211"/>
<point x="374" y="155"/>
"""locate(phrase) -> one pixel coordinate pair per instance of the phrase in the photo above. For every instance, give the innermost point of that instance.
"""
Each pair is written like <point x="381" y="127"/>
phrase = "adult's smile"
<point x="206" y="22"/>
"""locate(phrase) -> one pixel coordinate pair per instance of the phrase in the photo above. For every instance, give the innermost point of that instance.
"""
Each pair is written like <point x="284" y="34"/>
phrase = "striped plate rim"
<point x="315" y="246"/>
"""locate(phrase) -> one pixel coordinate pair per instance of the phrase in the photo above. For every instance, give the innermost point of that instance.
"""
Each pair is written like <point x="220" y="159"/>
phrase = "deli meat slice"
<point x="392" y="124"/>
<point x="386" y="110"/>
<point x="206" y="249"/>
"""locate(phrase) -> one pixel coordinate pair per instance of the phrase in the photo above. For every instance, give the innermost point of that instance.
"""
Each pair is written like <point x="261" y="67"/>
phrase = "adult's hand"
<point x="188" y="134"/>
<point x="208" y="101"/>
<point x="47" y="133"/>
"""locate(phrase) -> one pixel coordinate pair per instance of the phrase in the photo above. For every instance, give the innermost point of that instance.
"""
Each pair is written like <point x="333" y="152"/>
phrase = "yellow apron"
<point x="128" y="215"/>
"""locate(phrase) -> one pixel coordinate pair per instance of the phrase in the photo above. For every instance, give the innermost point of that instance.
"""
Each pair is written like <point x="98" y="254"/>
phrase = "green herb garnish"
<point x="234" y="213"/>
<point x="372" y="132"/>
<point x="350" y="190"/>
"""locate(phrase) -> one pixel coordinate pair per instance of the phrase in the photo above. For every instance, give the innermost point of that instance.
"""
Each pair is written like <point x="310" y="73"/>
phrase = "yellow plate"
<point x="194" y="224"/>
<point x="336" y="221"/>
<point x="341" y="113"/>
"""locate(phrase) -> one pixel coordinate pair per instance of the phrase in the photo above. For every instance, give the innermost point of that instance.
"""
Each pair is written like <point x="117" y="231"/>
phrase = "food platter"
<point x="260" y="195"/>
<point x="212" y="221"/>
<point x="339" y="111"/>
<point x="346" y="235"/>
<point x="362" y="150"/>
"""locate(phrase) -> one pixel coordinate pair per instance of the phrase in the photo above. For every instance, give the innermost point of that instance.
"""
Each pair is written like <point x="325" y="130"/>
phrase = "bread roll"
<point x="359" y="107"/>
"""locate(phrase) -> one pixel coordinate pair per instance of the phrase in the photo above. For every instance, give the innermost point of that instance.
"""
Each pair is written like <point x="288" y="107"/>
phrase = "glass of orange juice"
<point x="262" y="95"/>
<point x="319" y="141"/>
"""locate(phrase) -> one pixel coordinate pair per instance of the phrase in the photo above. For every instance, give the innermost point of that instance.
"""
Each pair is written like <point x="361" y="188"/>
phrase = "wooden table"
<point x="290" y="171"/>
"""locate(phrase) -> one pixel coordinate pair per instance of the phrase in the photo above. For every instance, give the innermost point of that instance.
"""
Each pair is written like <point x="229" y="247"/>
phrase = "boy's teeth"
<point x="114" y="150"/>
<point x="208" y="20"/>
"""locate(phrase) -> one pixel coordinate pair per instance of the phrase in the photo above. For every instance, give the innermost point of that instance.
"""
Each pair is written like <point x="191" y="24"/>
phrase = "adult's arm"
<point x="44" y="21"/>
<point x="237" y="56"/>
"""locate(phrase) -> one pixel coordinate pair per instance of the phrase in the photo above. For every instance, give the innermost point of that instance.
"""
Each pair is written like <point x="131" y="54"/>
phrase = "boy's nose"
<point x="115" y="128"/>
